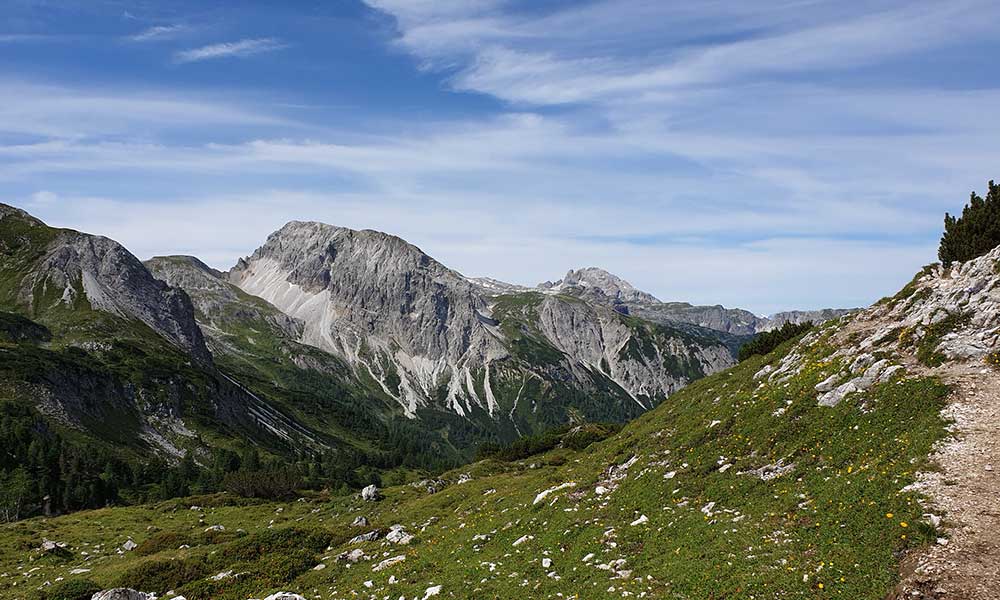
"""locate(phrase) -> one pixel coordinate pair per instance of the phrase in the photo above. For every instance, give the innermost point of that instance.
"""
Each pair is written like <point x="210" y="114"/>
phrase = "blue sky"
<point x="767" y="155"/>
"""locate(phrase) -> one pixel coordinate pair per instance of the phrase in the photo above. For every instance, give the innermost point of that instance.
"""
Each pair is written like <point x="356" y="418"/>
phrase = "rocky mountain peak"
<point x="58" y="266"/>
<point x="611" y="285"/>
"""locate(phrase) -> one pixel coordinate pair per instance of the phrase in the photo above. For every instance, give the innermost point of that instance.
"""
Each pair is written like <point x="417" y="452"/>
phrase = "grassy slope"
<point x="821" y="531"/>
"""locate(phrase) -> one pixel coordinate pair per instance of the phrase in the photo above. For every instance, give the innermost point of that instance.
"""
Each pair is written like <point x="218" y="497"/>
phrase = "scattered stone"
<point x="389" y="562"/>
<point x="434" y="590"/>
<point x="353" y="556"/>
<point x="546" y="562"/>
<point x="285" y="596"/>
<point x="371" y="536"/>
<point x="360" y="522"/>
<point x="544" y="494"/>
<point x="215" y="528"/>
<point x="398" y="535"/>
<point x="828" y="384"/>
<point x="640" y="520"/>
<point x="370" y="493"/>
<point x="129" y="545"/>
<point x="124" y="594"/>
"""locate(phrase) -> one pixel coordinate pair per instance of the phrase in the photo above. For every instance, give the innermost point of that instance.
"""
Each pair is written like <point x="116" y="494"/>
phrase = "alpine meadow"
<point x="292" y="304"/>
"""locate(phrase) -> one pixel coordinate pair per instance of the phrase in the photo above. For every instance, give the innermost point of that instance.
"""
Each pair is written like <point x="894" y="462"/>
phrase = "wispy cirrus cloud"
<point x="239" y="49"/>
<point x="158" y="33"/>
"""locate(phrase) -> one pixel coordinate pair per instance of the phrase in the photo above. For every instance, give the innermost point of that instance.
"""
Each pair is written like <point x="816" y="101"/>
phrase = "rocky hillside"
<point x="47" y="271"/>
<point x="108" y="367"/>
<point x="855" y="462"/>
<point x="598" y="285"/>
<point x="431" y="338"/>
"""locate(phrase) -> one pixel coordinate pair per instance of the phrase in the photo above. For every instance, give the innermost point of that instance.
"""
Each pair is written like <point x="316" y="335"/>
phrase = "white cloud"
<point x="61" y="112"/>
<point x="239" y="49"/>
<point x="158" y="32"/>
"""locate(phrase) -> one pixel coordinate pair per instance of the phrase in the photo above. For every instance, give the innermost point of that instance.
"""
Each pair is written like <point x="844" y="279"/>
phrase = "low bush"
<point x="164" y="540"/>
<point x="273" y="484"/>
<point x="766" y="342"/>
<point x="580" y="437"/>
<point x="160" y="576"/>
<point x="72" y="589"/>
<point x="523" y="447"/>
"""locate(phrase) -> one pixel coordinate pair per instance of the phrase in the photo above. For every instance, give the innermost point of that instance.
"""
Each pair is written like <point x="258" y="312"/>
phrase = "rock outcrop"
<point x="62" y="267"/>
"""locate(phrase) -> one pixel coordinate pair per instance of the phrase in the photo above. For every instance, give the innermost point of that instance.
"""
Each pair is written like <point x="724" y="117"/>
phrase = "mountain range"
<point x="854" y="460"/>
<point x="327" y="340"/>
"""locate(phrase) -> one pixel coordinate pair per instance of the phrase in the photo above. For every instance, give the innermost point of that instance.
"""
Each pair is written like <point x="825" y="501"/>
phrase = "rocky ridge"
<point x="427" y="334"/>
<point x="73" y="265"/>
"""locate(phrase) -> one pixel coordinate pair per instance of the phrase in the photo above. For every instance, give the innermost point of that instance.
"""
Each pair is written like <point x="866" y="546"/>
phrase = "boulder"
<point x="285" y="596"/>
<point x="370" y="493"/>
<point x="398" y="535"/>
<point x="371" y="536"/>
<point x="360" y="522"/>
<point x="123" y="594"/>
<point x="389" y="562"/>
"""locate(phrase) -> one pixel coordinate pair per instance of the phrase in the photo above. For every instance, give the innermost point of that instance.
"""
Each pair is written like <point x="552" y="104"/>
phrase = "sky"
<point x="770" y="155"/>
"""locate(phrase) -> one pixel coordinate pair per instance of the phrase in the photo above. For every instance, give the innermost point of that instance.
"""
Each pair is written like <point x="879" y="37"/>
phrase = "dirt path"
<point x="965" y="564"/>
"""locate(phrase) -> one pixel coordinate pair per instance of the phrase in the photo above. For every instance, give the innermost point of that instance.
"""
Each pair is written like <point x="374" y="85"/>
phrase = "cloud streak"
<point x="239" y="49"/>
<point x="158" y="33"/>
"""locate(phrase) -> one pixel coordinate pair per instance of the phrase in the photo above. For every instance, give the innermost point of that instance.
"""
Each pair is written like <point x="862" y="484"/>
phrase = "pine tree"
<point x="976" y="232"/>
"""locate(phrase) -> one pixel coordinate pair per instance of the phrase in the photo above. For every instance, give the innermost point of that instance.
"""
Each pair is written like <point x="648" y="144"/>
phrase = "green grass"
<point x="826" y="523"/>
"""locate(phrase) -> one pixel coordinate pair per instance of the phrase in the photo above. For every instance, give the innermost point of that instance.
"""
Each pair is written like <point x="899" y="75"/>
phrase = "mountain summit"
<point x="432" y="338"/>
<point x="610" y="285"/>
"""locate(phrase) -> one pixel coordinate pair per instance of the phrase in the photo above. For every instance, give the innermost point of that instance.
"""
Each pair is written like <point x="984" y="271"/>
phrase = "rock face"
<point x="430" y="336"/>
<point x="599" y="285"/>
<point x="217" y="302"/>
<point x="67" y="266"/>
<point x="610" y="285"/>
<point x="377" y="301"/>
<point x="949" y="313"/>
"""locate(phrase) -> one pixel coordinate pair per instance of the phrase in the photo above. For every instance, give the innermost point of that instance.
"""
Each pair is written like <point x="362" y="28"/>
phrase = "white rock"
<point x="389" y="562"/>
<point x="828" y="384"/>
<point x="124" y="594"/>
<point x="546" y="562"/>
<point x="542" y="495"/>
<point x="434" y="590"/>
<point x="370" y="493"/>
<point x="398" y="535"/>
<point x="640" y="520"/>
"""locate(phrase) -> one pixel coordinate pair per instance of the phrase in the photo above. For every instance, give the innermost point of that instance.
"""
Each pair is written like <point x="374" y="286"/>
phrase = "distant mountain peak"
<point x="608" y="283"/>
